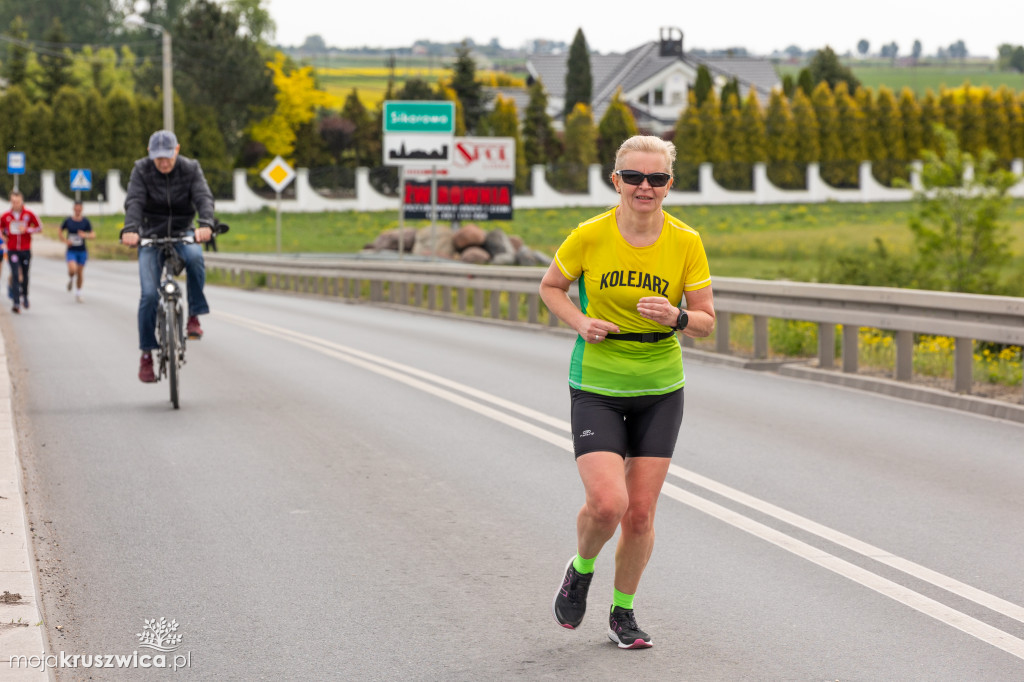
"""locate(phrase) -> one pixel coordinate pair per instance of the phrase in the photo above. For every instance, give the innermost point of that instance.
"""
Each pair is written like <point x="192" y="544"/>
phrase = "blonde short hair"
<point x="647" y="143"/>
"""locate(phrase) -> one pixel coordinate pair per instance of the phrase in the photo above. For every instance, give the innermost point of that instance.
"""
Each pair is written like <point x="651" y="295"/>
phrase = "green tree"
<point x="735" y="171"/>
<point x="931" y="115"/>
<point x="830" y="143"/>
<point x="806" y="82"/>
<point x="825" y="66"/>
<point x="972" y="122"/>
<point x="889" y="159"/>
<point x="852" y="124"/>
<point x="808" y="145"/>
<point x="781" y="136"/>
<point x="417" y="89"/>
<point x="84" y="21"/>
<point x="579" y="83"/>
<point x="97" y="141"/>
<point x="690" y="146"/>
<point x="752" y="122"/>
<point x="55" y="61"/>
<point x="12" y="128"/>
<point x="15" y="67"/>
<point x="996" y="125"/>
<point x="957" y="226"/>
<point x="68" y="136"/>
<point x="504" y="122"/>
<point x="730" y="89"/>
<point x="713" y="133"/>
<point x="38" y="131"/>
<point x="127" y="135"/>
<point x="216" y="64"/>
<point x="950" y="111"/>
<point x="540" y="143"/>
<point x="615" y="127"/>
<point x="363" y="146"/>
<point x="913" y="134"/>
<point x="580" y="148"/>
<point x="1014" y="121"/>
<point x="702" y="86"/>
<point x="469" y="90"/>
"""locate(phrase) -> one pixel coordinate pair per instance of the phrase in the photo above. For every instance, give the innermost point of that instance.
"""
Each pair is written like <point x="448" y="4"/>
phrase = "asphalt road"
<point x="350" y="492"/>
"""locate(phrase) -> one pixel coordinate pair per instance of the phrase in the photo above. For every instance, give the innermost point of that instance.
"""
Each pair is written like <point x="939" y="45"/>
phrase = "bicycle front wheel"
<point x="171" y="341"/>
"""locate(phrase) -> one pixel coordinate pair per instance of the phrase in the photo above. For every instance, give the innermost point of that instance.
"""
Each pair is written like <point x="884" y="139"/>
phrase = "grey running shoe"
<point x="571" y="598"/>
<point x="623" y="630"/>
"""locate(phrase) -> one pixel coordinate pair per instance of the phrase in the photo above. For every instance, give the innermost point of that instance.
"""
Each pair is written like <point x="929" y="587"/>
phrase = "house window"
<point x="659" y="96"/>
<point x="645" y="98"/>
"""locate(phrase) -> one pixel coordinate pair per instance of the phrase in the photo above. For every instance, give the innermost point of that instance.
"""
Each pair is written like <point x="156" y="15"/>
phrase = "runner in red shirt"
<point x="18" y="225"/>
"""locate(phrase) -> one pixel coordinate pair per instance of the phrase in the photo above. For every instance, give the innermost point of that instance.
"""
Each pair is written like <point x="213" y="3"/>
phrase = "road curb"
<point x="21" y="632"/>
<point x="997" y="409"/>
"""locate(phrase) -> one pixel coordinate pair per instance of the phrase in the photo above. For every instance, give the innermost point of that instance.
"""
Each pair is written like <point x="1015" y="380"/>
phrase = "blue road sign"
<point x="81" y="179"/>
<point x="16" y="163"/>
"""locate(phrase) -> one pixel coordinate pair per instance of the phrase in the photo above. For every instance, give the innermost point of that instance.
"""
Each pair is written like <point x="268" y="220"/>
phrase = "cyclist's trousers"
<point x="150" y="262"/>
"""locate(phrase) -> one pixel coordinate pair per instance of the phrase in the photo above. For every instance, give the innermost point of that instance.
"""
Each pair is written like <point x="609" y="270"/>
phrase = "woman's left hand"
<point x="658" y="309"/>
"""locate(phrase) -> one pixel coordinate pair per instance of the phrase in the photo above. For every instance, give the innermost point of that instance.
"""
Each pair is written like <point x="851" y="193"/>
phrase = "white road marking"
<point x="972" y="626"/>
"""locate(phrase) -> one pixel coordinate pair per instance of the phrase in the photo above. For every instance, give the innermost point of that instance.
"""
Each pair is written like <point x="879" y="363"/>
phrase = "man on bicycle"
<point x="165" y="191"/>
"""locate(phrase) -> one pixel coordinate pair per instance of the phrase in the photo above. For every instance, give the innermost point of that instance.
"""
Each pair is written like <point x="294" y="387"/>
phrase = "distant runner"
<point x="78" y="229"/>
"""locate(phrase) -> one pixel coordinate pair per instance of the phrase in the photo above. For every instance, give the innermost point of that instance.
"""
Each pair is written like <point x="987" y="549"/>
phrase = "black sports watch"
<point x="681" y="321"/>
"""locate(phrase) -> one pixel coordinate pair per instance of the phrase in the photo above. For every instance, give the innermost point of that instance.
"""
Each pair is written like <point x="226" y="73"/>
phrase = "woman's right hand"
<point x="595" y="331"/>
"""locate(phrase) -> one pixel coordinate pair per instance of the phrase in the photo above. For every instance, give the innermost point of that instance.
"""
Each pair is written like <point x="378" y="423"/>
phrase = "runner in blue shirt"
<point x="78" y="229"/>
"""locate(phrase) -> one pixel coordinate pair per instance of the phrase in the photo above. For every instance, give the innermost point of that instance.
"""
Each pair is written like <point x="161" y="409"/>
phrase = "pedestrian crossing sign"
<point x="81" y="179"/>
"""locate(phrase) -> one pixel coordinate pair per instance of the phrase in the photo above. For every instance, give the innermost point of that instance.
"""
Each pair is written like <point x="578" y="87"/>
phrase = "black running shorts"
<point x="638" y="426"/>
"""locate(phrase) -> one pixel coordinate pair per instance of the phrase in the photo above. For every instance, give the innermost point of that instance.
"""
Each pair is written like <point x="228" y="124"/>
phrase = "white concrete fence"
<point x="599" y="194"/>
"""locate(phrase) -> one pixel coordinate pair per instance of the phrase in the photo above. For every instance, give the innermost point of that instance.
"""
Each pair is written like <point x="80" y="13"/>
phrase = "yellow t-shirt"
<point x="613" y="275"/>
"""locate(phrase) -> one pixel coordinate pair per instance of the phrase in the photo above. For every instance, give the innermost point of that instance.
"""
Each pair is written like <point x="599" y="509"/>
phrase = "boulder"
<point x="475" y="255"/>
<point x="388" y="240"/>
<point x="528" y="256"/>
<point x="517" y="242"/>
<point x="439" y="245"/>
<point x="498" y="244"/>
<point x="468" y="235"/>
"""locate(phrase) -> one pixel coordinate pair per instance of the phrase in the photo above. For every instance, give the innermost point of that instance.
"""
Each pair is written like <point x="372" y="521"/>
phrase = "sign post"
<point x="418" y="133"/>
<point x="81" y="181"/>
<point x="16" y="166"/>
<point x="278" y="174"/>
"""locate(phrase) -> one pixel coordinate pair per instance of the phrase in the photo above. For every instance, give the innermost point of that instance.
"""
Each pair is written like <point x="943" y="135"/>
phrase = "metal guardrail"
<point x="510" y="293"/>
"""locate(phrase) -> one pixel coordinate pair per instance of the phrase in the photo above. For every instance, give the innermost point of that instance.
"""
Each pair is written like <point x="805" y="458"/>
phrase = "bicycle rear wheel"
<point x="171" y="341"/>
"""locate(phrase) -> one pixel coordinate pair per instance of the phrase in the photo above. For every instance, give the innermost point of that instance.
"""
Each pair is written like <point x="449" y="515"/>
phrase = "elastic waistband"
<point x="647" y="337"/>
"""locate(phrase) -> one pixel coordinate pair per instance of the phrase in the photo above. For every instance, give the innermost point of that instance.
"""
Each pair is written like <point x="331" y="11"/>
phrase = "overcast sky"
<point x="761" y="26"/>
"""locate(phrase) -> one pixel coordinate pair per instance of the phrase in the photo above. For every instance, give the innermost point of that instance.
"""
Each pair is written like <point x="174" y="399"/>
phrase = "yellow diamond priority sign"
<point x="278" y="174"/>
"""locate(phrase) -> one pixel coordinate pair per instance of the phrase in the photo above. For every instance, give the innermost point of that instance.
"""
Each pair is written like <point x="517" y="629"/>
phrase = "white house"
<point x="655" y="79"/>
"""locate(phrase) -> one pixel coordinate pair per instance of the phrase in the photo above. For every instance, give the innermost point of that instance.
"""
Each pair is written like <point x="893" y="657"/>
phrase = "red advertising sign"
<point x="461" y="201"/>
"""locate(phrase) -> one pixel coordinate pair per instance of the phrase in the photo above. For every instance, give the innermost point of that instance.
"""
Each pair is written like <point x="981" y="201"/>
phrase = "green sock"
<point x="583" y="565"/>
<point x="623" y="601"/>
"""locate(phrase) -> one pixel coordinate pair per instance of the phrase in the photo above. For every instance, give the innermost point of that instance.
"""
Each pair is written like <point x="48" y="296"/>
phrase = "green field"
<point x="762" y="242"/>
<point x="925" y="77"/>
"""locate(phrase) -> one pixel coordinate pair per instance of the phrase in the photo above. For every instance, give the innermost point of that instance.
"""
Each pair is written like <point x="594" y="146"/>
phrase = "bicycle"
<point x="170" y="315"/>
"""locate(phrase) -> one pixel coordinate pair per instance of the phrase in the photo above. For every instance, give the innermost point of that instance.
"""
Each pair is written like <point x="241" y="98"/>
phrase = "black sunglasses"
<point x="632" y="177"/>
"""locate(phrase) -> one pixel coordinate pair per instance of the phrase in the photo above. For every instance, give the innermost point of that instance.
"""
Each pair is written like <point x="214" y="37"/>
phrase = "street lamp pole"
<point x="168" y="87"/>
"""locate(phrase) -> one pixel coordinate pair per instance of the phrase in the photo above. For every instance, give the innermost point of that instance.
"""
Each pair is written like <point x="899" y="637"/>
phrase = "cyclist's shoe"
<point x="195" y="332"/>
<point x="15" y="309"/>
<point x="571" y="598"/>
<point x="623" y="630"/>
<point x="146" y="373"/>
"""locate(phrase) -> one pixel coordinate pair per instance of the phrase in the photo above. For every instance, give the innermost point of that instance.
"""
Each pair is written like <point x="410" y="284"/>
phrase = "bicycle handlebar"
<point x="218" y="228"/>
